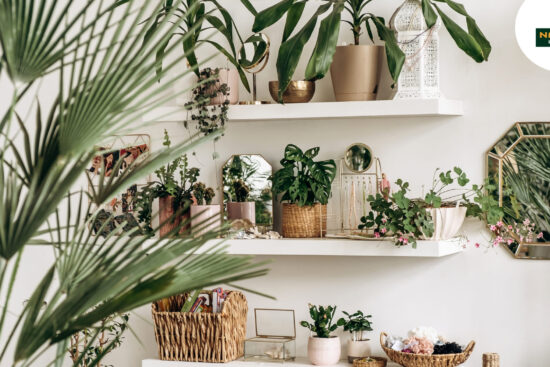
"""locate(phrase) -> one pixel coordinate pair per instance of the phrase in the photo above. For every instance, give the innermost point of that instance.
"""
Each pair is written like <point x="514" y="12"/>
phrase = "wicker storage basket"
<point x="491" y="360"/>
<point x="373" y="362"/>
<point x="421" y="360"/>
<point x="304" y="221"/>
<point x="201" y="337"/>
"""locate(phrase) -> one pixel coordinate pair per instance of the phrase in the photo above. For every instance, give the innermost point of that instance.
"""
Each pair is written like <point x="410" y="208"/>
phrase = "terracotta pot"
<point x="447" y="222"/>
<point x="245" y="211"/>
<point x="231" y="78"/>
<point x="298" y="91"/>
<point x="355" y="72"/>
<point x="323" y="351"/>
<point x="166" y="211"/>
<point x="358" y="349"/>
<point x="304" y="221"/>
<point x="202" y="213"/>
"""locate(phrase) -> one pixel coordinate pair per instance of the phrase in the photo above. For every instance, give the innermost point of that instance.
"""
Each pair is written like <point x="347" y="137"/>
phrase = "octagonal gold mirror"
<point x="518" y="166"/>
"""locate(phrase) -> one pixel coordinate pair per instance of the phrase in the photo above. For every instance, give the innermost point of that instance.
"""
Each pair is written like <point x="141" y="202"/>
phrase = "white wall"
<point x="500" y="302"/>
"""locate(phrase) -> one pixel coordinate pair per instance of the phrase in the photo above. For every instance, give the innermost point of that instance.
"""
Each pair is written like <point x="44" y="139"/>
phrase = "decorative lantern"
<point x="420" y="75"/>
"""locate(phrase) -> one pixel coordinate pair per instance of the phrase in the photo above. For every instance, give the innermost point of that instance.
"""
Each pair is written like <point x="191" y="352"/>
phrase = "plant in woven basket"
<point x="302" y="180"/>
<point x="322" y="318"/>
<point x="203" y="194"/>
<point x="356" y="323"/>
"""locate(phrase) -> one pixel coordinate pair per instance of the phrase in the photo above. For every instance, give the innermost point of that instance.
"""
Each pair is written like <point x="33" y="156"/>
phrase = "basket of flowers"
<point x="424" y="348"/>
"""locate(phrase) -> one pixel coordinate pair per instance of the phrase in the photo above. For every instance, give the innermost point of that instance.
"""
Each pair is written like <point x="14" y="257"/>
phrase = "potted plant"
<point x="242" y="207"/>
<point x="473" y="42"/>
<point x="205" y="216"/>
<point x="198" y="18"/>
<point x="304" y="186"/>
<point x="175" y="195"/>
<point x="323" y="349"/>
<point x="357" y="324"/>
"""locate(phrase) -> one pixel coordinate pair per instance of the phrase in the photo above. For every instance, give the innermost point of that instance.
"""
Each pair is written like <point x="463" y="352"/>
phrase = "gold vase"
<point x="298" y="91"/>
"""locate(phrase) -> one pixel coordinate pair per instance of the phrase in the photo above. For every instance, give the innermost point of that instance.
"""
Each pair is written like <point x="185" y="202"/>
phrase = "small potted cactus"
<point x="241" y="208"/>
<point x="357" y="324"/>
<point x="323" y="349"/>
<point x="205" y="216"/>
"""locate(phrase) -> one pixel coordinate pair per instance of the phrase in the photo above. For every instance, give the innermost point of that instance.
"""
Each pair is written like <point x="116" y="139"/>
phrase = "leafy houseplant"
<point x="203" y="195"/>
<point x="99" y="84"/>
<point x="304" y="186"/>
<point x="357" y="324"/>
<point x="323" y="349"/>
<point x="473" y="42"/>
<point x="205" y="216"/>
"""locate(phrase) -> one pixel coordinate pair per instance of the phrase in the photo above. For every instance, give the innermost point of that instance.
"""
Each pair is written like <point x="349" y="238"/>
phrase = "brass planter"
<point x="298" y="91"/>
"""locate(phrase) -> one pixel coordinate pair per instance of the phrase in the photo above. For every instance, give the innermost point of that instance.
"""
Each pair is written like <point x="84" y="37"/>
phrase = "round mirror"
<point x="254" y="53"/>
<point x="358" y="158"/>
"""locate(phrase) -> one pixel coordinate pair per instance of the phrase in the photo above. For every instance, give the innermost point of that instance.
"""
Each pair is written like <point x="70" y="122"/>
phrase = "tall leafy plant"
<point x="322" y="318"/>
<point x="302" y="180"/>
<point x="105" y="84"/>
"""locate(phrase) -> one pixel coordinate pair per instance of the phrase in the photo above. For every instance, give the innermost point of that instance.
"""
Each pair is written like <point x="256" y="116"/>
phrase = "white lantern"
<point x="419" y="78"/>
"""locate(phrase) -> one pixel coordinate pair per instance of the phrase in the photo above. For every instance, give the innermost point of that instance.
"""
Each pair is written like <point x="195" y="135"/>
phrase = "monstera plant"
<point x="472" y="41"/>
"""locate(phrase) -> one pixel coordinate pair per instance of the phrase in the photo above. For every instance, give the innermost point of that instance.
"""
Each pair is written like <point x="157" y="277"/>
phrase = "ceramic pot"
<point x="323" y="351"/>
<point x="304" y="221"/>
<point x="245" y="211"/>
<point x="355" y="72"/>
<point x="202" y="213"/>
<point x="447" y="222"/>
<point x="358" y="349"/>
<point x="166" y="212"/>
<point x="298" y="91"/>
<point x="231" y="78"/>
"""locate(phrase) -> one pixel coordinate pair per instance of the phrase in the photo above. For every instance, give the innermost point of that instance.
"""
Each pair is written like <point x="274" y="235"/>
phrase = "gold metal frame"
<point x="499" y="155"/>
<point x="274" y="336"/>
<point x="264" y="58"/>
<point x="371" y="155"/>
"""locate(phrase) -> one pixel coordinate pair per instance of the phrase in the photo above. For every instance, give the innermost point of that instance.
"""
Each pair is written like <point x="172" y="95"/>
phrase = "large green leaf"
<point x="324" y="50"/>
<point x="394" y="55"/>
<point x="271" y="15"/>
<point x="292" y="18"/>
<point x="478" y="35"/>
<point x="429" y="13"/>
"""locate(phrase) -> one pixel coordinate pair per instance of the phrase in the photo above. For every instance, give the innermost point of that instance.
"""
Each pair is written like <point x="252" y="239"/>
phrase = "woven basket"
<point x="201" y="337"/>
<point x="374" y="362"/>
<point x="491" y="360"/>
<point x="422" y="360"/>
<point x="304" y="221"/>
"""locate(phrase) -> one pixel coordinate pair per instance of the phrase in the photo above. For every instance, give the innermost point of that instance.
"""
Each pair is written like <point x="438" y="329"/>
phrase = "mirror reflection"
<point x="247" y="190"/>
<point x="358" y="158"/>
<point x="254" y="53"/>
<point x="518" y="166"/>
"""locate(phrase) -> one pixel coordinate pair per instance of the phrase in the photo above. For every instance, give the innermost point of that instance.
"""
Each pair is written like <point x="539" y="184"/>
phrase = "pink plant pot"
<point x="323" y="351"/>
<point x="205" y="218"/>
<point x="245" y="211"/>
<point x="231" y="78"/>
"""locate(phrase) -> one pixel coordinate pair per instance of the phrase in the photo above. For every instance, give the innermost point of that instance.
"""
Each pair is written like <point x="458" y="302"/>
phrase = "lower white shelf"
<point x="336" y="247"/>
<point x="300" y="362"/>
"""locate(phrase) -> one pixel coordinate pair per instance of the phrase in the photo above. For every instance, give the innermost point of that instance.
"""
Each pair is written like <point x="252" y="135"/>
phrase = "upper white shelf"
<point x="336" y="247"/>
<point x="300" y="362"/>
<point x="324" y="110"/>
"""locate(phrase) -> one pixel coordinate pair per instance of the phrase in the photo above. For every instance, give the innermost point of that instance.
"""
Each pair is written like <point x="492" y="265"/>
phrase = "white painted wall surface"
<point x="489" y="297"/>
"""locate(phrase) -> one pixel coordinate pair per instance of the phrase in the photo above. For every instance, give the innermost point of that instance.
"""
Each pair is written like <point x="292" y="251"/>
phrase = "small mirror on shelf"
<point x="253" y="57"/>
<point x="247" y="191"/>
<point x="358" y="158"/>
<point x="518" y="169"/>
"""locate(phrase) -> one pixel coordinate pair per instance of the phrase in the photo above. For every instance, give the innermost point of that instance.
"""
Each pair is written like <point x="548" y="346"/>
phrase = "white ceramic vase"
<point x="323" y="351"/>
<point x="358" y="349"/>
<point x="447" y="222"/>
<point x="205" y="218"/>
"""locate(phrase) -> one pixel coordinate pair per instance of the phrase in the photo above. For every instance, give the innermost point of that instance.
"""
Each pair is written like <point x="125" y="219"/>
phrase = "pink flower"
<point x="510" y="241"/>
<point x="510" y="227"/>
<point x="499" y="239"/>
<point x="540" y="235"/>
<point x="526" y="222"/>
<point x="405" y="241"/>
<point x="401" y="239"/>
<point x="384" y="220"/>
<point x="493" y="228"/>
<point x="499" y="224"/>
<point x="376" y="235"/>
<point x="477" y="245"/>
<point x="383" y="230"/>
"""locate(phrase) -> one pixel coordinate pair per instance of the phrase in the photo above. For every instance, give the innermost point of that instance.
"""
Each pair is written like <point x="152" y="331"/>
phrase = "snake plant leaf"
<point x="271" y="15"/>
<point x="321" y="58"/>
<point x="429" y="13"/>
<point x="478" y="35"/>
<point x="292" y="18"/>
<point x="394" y="55"/>
<point x="463" y="39"/>
<point x="291" y="50"/>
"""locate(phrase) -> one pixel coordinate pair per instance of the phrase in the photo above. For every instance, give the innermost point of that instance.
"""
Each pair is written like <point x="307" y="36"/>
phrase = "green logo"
<point x="543" y="37"/>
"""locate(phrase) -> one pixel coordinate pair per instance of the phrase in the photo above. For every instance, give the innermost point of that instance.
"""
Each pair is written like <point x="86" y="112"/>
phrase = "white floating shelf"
<point x="300" y="362"/>
<point x="324" y="110"/>
<point x="336" y="247"/>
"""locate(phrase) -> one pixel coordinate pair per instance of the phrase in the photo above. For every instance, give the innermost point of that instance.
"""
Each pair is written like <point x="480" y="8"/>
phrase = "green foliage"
<point x="203" y="194"/>
<point x="109" y="337"/>
<point x="302" y="180"/>
<point x="241" y="190"/>
<point x="208" y="118"/>
<point x="356" y="323"/>
<point x="197" y="17"/>
<point x="322" y="318"/>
